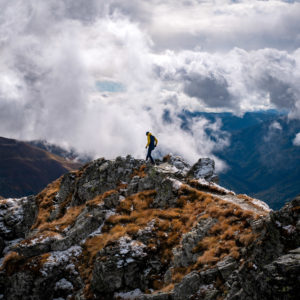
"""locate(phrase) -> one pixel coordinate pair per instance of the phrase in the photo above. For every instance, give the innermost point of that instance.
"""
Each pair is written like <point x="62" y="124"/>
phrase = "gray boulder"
<point x="204" y="168"/>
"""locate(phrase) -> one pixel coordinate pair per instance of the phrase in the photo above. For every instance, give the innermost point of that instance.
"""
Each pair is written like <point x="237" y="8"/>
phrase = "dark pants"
<point x="150" y="149"/>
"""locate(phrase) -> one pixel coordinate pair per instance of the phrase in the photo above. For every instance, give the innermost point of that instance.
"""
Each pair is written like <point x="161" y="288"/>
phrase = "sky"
<point x="96" y="75"/>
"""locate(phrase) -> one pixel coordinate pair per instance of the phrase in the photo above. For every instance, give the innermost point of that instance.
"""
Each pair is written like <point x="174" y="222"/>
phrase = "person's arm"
<point x="148" y="138"/>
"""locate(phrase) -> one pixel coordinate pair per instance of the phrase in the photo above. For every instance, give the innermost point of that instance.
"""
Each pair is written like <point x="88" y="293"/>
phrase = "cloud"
<point x="274" y="130"/>
<point x="275" y="126"/>
<point x="217" y="25"/>
<point x="296" y="140"/>
<point x="97" y="75"/>
<point x="211" y="90"/>
<point x="48" y="87"/>
<point x="236" y="81"/>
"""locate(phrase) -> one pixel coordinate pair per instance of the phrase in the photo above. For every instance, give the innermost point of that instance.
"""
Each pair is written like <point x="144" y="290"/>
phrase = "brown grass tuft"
<point x="45" y="202"/>
<point x="65" y="221"/>
<point x="208" y="258"/>
<point x="139" y="172"/>
<point x="247" y="238"/>
<point x="10" y="261"/>
<point x="99" y="199"/>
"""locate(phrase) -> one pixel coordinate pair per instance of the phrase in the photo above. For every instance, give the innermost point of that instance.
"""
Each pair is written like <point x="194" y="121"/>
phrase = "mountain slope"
<point x="263" y="162"/>
<point x="124" y="229"/>
<point x="25" y="169"/>
<point x="61" y="152"/>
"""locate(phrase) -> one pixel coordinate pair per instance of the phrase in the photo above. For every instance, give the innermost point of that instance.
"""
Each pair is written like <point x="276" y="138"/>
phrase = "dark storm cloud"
<point x="211" y="90"/>
<point x="282" y="94"/>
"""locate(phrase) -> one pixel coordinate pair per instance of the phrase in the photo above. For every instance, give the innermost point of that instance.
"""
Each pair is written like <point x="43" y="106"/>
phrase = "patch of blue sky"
<point x="110" y="86"/>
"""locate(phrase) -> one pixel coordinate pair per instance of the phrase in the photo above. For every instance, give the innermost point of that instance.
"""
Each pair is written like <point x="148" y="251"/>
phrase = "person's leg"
<point x="149" y="155"/>
<point x="150" y="150"/>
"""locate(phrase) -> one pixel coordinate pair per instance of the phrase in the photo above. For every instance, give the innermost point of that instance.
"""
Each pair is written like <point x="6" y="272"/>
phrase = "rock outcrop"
<point x="124" y="229"/>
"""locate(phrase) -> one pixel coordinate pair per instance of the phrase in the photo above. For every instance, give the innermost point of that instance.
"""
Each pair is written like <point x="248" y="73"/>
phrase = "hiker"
<point x="151" y="144"/>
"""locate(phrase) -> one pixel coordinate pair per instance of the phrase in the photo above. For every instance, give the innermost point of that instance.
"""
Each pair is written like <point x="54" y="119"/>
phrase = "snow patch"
<point x="12" y="210"/>
<point x="176" y="183"/>
<point x="204" y="182"/>
<point x="148" y="229"/>
<point x="59" y="258"/>
<point x="129" y="295"/>
<point x="10" y="245"/>
<point x="98" y="231"/>
<point x="41" y="239"/>
<point x="177" y="166"/>
<point x="135" y="248"/>
<point x="289" y="229"/>
<point x="261" y="204"/>
<point x="63" y="284"/>
<point x="129" y="250"/>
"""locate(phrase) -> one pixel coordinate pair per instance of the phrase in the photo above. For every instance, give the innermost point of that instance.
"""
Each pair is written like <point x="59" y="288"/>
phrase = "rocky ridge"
<point x="124" y="229"/>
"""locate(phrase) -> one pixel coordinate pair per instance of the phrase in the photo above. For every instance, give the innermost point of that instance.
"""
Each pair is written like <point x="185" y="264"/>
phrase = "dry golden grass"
<point x="35" y="264"/>
<point x="121" y="185"/>
<point x="142" y="200"/>
<point x="45" y="202"/>
<point x="3" y="203"/>
<point x="10" y="260"/>
<point x="132" y="229"/>
<point x="158" y="284"/>
<point x="116" y="219"/>
<point x="169" y="214"/>
<point x="232" y="223"/>
<point x="125" y="206"/>
<point x="99" y="199"/>
<point x="247" y="238"/>
<point x="68" y="219"/>
<point x="167" y="288"/>
<point x="208" y="258"/>
<point x="139" y="172"/>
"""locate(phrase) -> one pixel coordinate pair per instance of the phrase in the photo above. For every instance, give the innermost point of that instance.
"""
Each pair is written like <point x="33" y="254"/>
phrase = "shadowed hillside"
<point x="25" y="169"/>
<point x="263" y="162"/>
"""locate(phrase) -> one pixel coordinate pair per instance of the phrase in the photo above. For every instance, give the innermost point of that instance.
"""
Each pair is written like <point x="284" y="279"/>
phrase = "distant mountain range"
<point x="26" y="169"/>
<point x="262" y="160"/>
<point x="71" y="154"/>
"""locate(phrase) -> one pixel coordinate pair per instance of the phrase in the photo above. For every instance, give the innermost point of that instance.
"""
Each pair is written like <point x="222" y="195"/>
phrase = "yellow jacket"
<point x="151" y="140"/>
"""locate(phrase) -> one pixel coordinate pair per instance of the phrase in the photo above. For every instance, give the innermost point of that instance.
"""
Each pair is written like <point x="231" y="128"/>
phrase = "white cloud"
<point x="238" y="80"/>
<point x="53" y="53"/>
<point x="217" y="25"/>
<point x="296" y="140"/>
<point x="275" y="126"/>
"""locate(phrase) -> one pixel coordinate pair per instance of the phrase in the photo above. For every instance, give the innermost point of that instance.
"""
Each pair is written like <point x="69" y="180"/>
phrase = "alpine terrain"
<point x="125" y="229"/>
<point x="26" y="169"/>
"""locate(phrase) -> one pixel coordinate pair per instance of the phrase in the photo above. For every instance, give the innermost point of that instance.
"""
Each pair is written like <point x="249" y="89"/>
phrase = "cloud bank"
<point x="96" y="75"/>
<point x="296" y="140"/>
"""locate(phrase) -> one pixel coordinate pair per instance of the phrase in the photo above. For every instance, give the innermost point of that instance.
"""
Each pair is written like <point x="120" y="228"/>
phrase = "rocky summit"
<point x="125" y="229"/>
